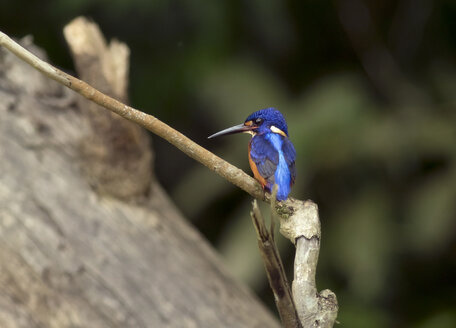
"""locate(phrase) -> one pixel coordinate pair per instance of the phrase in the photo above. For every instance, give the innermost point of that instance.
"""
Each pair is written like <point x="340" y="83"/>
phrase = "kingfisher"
<point x="271" y="154"/>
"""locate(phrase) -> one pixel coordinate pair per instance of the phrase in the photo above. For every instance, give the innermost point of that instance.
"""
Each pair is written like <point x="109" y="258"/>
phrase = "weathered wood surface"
<point x="117" y="154"/>
<point x="70" y="257"/>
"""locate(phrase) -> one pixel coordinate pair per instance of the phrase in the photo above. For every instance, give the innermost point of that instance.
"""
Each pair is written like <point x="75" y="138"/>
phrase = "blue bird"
<point x="271" y="153"/>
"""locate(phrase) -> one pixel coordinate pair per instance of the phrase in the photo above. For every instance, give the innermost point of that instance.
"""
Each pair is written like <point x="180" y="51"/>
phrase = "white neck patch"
<point x="277" y="130"/>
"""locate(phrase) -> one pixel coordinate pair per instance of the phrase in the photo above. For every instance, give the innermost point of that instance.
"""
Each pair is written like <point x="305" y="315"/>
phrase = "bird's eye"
<point x="258" y="121"/>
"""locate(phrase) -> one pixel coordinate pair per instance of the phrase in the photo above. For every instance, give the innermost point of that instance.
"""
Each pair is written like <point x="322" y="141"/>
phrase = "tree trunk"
<point x="74" y="257"/>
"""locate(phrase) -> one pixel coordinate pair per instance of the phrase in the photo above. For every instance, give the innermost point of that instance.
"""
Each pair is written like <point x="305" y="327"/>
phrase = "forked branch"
<point x="273" y="265"/>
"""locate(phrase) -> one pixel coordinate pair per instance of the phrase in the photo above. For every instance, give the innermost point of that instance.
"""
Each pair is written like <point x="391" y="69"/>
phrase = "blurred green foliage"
<point x="369" y="91"/>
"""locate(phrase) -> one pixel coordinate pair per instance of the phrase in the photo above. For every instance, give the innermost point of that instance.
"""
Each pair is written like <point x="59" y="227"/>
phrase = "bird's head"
<point x="268" y="120"/>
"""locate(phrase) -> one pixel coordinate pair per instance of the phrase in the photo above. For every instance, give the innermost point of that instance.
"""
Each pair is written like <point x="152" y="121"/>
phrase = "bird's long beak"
<point x="234" y="129"/>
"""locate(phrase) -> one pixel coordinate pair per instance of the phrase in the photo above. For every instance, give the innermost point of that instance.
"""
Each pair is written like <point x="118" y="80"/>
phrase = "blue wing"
<point x="289" y="153"/>
<point x="265" y="157"/>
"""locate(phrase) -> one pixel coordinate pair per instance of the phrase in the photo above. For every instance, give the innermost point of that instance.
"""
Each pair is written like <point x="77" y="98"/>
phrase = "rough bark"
<point x="70" y="257"/>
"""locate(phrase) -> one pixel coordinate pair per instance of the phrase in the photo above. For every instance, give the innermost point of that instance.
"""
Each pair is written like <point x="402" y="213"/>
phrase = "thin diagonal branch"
<point x="151" y="123"/>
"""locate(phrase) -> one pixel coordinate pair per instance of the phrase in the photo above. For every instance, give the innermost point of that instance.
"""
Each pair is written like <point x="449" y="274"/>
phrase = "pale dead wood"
<point x="303" y="229"/>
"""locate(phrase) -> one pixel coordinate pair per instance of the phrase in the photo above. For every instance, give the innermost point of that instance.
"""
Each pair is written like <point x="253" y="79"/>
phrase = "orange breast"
<point x="256" y="174"/>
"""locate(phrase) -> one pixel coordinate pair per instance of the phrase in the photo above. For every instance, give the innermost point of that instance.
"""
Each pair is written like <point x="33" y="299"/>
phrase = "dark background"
<point x="369" y="91"/>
